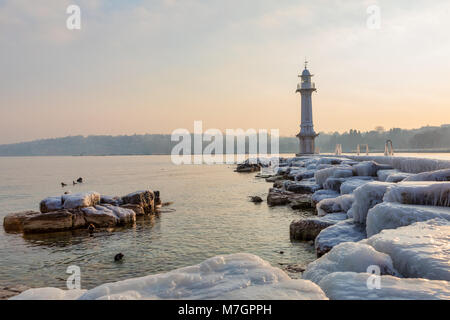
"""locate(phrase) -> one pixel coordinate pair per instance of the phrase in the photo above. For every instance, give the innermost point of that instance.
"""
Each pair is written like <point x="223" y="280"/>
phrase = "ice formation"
<point x="49" y="294"/>
<point x="422" y="193"/>
<point x="51" y="204"/>
<point x="407" y="164"/>
<point x="439" y="175"/>
<point x="332" y="205"/>
<point x="323" y="174"/>
<point x="420" y="250"/>
<point x="383" y="174"/>
<point x="345" y="231"/>
<point x="349" y="256"/>
<point x="236" y="276"/>
<point x="115" y="215"/>
<point x="366" y="197"/>
<point x="323" y="194"/>
<point x="350" y="185"/>
<point x="398" y="177"/>
<point x="354" y="286"/>
<point x="391" y="215"/>
<point x="80" y="200"/>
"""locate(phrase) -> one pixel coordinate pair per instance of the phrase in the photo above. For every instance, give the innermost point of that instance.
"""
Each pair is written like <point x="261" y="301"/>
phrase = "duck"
<point x="80" y="180"/>
<point x="63" y="184"/>
<point x="118" y="257"/>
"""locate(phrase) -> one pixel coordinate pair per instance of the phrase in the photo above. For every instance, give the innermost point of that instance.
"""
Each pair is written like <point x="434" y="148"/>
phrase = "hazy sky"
<point x="154" y="66"/>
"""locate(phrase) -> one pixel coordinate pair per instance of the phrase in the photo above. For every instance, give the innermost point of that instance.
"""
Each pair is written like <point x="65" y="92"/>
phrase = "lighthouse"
<point x="307" y="133"/>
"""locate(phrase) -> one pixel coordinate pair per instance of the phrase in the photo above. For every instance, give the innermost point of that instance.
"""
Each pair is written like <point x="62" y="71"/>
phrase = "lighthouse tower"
<point x="307" y="134"/>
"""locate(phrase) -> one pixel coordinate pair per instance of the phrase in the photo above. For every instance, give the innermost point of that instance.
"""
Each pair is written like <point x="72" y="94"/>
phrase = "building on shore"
<point x="307" y="135"/>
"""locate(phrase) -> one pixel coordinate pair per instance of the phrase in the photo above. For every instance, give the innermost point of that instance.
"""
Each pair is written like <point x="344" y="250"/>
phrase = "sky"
<point x="139" y="67"/>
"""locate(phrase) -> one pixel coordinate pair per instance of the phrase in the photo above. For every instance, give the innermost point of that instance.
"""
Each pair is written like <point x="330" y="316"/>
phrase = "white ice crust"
<point x="236" y="276"/>
<point x="348" y="256"/>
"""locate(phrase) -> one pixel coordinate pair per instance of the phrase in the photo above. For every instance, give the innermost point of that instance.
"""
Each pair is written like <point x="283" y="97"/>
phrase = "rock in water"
<point x="145" y="199"/>
<point x="80" y="180"/>
<point x="13" y="222"/>
<point x="60" y="220"/>
<point x="118" y="257"/>
<point x="256" y="199"/>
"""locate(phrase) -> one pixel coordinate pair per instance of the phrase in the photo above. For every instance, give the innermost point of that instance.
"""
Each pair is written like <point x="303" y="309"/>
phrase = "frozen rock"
<point x="422" y="193"/>
<point x="333" y="183"/>
<point x="439" y="175"/>
<point x="332" y="205"/>
<point x="49" y="294"/>
<point x="323" y="194"/>
<point x="366" y="197"/>
<point x="280" y="197"/>
<point x="48" y="222"/>
<point x="13" y="222"/>
<point x="350" y="185"/>
<point x="308" y="228"/>
<point x="345" y="231"/>
<point x="51" y="204"/>
<point x="305" y="175"/>
<point x="323" y="174"/>
<point x="349" y="257"/>
<point x="420" y="250"/>
<point x="383" y="174"/>
<point x="398" y="177"/>
<point x="108" y="215"/>
<point x="331" y="160"/>
<point x="138" y="210"/>
<point x="230" y="277"/>
<point x="80" y="200"/>
<point x="391" y="215"/>
<point x="343" y="173"/>
<point x="146" y="199"/>
<point x="353" y="286"/>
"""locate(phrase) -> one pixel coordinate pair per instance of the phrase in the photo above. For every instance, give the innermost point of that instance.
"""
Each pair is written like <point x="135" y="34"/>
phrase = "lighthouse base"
<point x="307" y="144"/>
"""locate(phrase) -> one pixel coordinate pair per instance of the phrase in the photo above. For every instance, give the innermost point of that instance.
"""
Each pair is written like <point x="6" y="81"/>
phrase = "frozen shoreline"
<point x="331" y="173"/>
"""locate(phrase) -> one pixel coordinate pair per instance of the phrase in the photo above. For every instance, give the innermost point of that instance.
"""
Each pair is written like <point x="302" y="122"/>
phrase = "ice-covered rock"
<point x="230" y="277"/>
<point x="51" y="204"/>
<point x="398" y="177"/>
<point x="383" y="174"/>
<point x="422" y="193"/>
<point x="439" y="175"/>
<point x="345" y="231"/>
<point x="420" y="250"/>
<point x="354" y="286"/>
<point x="366" y="197"/>
<point x="108" y="216"/>
<point x="391" y="215"/>
<point x="350" y="185"/>
<point x="304" y="175"/>
<point x="115" y="201"/>
<point x="330" y="160"/>
<point x="49" y="294"/>
<point x="332" y="205"/>
<point x="349" y="257"/>
<point x="333" y="183"/>
<point x="319" y="195"/>
<point x="323" y="174"/>
<point x="80" y="200"/>
<point x="308" y="228"/>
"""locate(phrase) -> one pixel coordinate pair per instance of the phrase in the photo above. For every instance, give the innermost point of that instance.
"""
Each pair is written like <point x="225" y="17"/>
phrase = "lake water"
<point x="212" y="216"/>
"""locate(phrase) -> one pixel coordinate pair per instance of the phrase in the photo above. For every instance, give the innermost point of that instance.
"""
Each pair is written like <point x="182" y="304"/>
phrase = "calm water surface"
<point x="213" y="216"/>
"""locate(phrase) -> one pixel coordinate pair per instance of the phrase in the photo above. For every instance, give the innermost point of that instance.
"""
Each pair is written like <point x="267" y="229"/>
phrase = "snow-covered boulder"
<point x="308" y="228"/>
<point x="332" y="205"/>
<point x="319" y="195"/>
<point x="345" y="231"/>
<point x="422" y="193"/>
<point x="80" y="200"/>
<point x="391" y="215"/>
<point x="323" y="174"/>
<point x="230" y="277"/>
<point x="383" y="174"/>
<point x="420" y="250"/>
<point x="350" y="185"/>
<point x="304" y="175"/>
<point x="398" y="177"/>
<point x="343" y="173"/>
<point x="366" y="168"/>
<point x="354" y="286"/>
<point x="333" y="183"/>
<point x="51" y="204"/>
<point x="108" y="216"/>
<point x="351" y="257"/>
<point x="366" y="197"/>
<point x="439" y="175"/>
